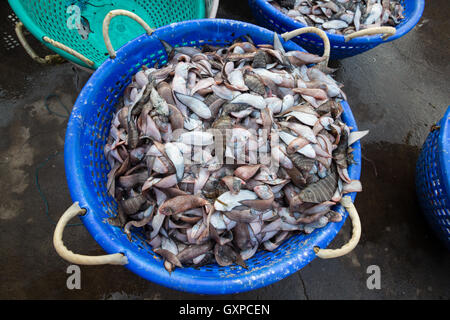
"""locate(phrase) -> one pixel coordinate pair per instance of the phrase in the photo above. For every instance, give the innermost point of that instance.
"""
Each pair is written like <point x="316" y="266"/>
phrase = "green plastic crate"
<point x="51" y="18"/>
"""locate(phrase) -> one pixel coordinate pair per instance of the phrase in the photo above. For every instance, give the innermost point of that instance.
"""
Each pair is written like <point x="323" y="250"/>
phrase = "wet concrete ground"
<point x="397" y="90"/>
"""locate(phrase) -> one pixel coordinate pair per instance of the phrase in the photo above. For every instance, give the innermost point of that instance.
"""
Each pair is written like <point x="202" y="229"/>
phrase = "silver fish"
<point x="227" y="201"/>
<point x="335" y="24"/>
<point x="176" y="157"/>
<point x="250" y="99"/>
<point x="197" y="106"/>
<point x="196" y="138"/>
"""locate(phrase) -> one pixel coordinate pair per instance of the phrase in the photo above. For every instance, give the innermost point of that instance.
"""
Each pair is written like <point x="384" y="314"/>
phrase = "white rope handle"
<point x="326" y="42"/>
<point x="66" y="254"/>
<point x="356" y="233"/>
<point x="386" y="31"/>
<point x="212" y="7"/>
<point x="107" y="21"/>
<point x="61" y="46"/>
<point x="49" y="59"/>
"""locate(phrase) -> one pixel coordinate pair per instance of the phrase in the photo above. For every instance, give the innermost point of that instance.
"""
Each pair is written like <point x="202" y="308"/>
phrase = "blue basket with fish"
<point x="433" y="179"/>
<point x="342" y="46"/>
<point x="87" y="170"/>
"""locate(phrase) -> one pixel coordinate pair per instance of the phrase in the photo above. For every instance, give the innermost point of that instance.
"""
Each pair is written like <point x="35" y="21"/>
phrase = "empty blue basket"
<point x="433" y="179"/>
<point x="269" y="17"/>
<point x="87" y="168"/>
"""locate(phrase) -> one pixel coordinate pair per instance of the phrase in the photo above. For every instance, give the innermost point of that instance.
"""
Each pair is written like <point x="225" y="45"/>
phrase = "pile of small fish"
<point x="342" y="17"/>
<point x="283" y="167"/>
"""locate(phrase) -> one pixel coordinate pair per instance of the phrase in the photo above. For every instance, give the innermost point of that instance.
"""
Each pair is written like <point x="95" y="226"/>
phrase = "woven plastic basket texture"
<point x="269" y="17"/>
<point x="87" y="168"/>
<point x="51" y="18"/>
<point x="433" y="179"/>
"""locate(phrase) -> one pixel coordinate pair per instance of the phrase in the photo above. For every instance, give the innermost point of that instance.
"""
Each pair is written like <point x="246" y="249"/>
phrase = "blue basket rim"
<point x="156" y="273"/>
<point x="334" y="38"/>
<point x="444" y="149"/>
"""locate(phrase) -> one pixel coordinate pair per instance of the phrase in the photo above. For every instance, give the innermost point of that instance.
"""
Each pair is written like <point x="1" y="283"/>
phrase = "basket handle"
<point x="61" y="46"/>
<point x="50" y="58"/>
<point x="356" y="233"/>
<point x="212" y="5"/>
<point x="66" y="254"/>
<point x="326" y="42"/>
<point x="386" y="31"/>
<point x="107" y="21"/>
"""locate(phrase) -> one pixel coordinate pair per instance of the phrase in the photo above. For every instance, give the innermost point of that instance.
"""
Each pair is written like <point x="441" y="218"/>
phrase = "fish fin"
<point x="240" y="261"/>
<point x="277" y="44"/>
<point x="169" y="49"/>
<point x="248" y="38"/>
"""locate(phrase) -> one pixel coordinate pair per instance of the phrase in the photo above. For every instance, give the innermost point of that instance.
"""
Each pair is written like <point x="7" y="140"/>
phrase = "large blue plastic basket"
<point x="87" y="168"/>
<point x="269" y="17"/>
<point x="433" y="179"/>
